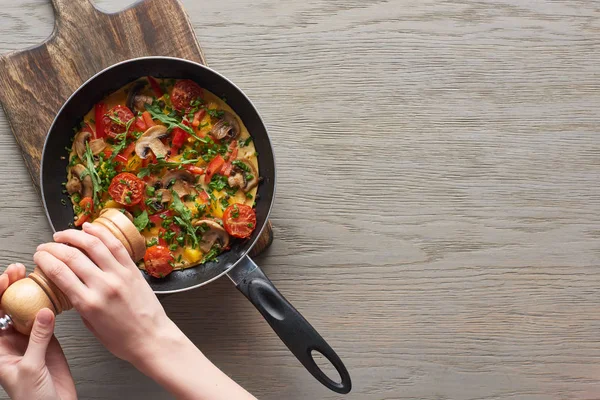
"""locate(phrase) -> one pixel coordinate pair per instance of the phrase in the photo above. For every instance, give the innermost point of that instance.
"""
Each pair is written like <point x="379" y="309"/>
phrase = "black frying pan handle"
<point x="291" y="327"/>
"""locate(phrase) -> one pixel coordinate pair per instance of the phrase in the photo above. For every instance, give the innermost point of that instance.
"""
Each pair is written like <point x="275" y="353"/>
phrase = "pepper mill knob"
<point x="24" y="298"/>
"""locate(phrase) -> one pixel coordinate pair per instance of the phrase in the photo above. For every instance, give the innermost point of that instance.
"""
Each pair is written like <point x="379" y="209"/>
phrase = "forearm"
<point x="175" y="363"/>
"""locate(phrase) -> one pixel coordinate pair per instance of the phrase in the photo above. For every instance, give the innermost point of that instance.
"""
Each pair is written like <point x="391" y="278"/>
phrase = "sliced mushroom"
<point x="97" y="146"/>
<point x="79" y="144"/>
<point x="243" y="179"/>
<point x="150" y="140"/>
<point x="179" y="174"/>
<point x="227" y="127"/>
<point x="80" y="182"/>
<point x="212" y="233"/>
<point x="164" y="195"/>
<point x="136" y="101"/>
<point x="181" y="181"/>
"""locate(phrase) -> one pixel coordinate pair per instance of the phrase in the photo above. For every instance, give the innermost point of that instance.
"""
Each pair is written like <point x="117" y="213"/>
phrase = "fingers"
<point x="13" y="273"/>
<point x="78" y="262"/>
<point x="95" y="248"/>
<point x="40" y="337"/>
<point x="113" y="244"/>
<point x="62" y="276"/>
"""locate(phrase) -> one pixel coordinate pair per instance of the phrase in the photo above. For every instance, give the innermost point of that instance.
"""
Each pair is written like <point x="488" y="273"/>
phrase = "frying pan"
<point x="295" y="331"/>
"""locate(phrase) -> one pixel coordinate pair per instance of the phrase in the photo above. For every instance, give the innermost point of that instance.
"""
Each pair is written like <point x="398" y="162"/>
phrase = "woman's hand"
<point x="33" y="368"/>
<point x="106" y="287"/>
<point x="119" y="307"/>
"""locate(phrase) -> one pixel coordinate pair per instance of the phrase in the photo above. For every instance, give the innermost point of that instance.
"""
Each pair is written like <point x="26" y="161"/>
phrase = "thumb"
<point x="41" y="333"/>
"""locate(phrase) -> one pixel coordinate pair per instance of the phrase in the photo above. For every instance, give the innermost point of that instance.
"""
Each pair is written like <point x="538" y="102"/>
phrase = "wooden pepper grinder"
<point x="24" y="298"/>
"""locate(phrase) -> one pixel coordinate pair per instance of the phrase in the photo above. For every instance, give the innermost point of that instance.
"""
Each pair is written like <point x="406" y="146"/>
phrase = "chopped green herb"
<point x="213" y="112"/>
<point x="242" y="165"/>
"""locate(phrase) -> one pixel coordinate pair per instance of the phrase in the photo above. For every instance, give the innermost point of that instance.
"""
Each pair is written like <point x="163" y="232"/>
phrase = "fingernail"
<point x="44" y="316"/>
<point x="86" y="225"/>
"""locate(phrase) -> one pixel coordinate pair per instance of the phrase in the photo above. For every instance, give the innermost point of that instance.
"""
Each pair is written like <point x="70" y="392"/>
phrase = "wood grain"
<point x="48" y="73"/>
<point x="438" y="208"/>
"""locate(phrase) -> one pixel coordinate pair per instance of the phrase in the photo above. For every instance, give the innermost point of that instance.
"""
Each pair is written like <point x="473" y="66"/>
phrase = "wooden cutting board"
<point x="34" y="83"/>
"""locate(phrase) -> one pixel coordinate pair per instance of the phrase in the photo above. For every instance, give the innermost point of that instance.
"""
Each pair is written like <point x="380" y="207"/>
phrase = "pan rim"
<point x="197" y="65"/>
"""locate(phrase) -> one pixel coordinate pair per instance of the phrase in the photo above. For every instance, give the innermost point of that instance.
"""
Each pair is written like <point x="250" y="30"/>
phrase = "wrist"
<point x="175" y="363"/>
<point x="164" y="341"/>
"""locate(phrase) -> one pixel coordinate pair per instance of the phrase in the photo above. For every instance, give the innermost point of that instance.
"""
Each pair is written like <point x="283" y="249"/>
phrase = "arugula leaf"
<point x="169" y="120"/>
<point x="185" y="218"/>
<point x="162" y="163"/>
<point x="141" y="221"/>
<point x="91" y="171"/>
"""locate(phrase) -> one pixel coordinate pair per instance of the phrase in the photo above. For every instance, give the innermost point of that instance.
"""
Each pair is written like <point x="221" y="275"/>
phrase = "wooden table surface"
<point x="438" y="210"/>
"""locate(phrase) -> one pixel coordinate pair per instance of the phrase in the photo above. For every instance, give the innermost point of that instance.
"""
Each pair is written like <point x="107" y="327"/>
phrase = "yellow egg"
<point x="154" y="231"/>
<point x="112" y="204"/>
<point x="192" y="255"/>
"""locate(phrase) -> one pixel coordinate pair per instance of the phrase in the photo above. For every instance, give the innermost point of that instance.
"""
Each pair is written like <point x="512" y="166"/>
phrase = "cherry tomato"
<point x="213" y="167"/>
<point x="239" y="220"/>
<point x="87" y="206"/>
<point x="184" y="92"/>
<point x="158" y="261"/>
<point x="126" y="189"/>
<point x="111" y="127"/>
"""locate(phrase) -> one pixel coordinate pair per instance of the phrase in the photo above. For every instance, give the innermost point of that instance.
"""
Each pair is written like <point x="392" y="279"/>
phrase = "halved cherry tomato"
<point x="198" y="117"/>
<point x="87" y="205"/>
<point x="213" y="167"/>
<point x="194" y="170"/>
<point x="155" y="86"/>
<point x="148" y="119"/>
<point x="113" y="128"/>
<point x="158" y="261"/>
<point x="239" y="220"/>
<point x="126" y="189"/>
<point x="184" y="92"/>
<point x="99" y="111"/>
